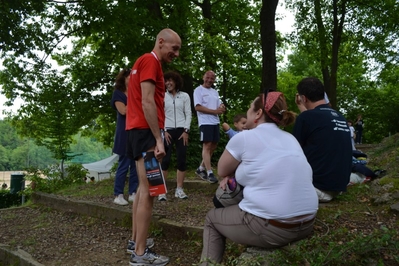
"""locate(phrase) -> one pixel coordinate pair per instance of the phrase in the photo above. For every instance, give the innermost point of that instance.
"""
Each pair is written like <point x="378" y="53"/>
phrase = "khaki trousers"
<point x="243" y="228"/>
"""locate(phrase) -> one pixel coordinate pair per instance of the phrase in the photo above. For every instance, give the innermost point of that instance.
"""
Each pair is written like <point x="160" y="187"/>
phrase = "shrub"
<point x="8" y="199"/>
<point x="51" y="179"/>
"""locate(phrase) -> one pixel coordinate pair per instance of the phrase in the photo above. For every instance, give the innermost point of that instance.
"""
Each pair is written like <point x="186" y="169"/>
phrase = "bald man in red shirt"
<point x="145" y="119"/>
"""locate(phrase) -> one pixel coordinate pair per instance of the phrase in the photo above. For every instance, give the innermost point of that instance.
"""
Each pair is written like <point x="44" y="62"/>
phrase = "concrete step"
<point x="122" y="217"/>
<point x="112" y="214"/>
<point x="365" y="147"/>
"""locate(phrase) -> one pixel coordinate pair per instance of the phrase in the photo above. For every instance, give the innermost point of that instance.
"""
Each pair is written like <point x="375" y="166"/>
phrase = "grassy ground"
<point x="351" y="230"/>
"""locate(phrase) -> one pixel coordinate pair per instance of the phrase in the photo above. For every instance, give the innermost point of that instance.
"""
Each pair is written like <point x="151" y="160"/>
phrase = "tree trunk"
<point x="206" y="7"/>
<point x="268" y="39"/>
<point x="337" y="36"/>
<point x="329" y="70"/>
<point x="324" y="54"/>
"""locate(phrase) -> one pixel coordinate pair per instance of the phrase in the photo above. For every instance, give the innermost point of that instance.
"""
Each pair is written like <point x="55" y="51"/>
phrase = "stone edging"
<point x="18" y="257"/>
<point x="121" y="217"/>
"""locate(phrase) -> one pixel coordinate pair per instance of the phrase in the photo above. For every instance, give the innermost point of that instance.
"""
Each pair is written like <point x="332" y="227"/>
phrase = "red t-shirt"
<point x="146" y="68"/>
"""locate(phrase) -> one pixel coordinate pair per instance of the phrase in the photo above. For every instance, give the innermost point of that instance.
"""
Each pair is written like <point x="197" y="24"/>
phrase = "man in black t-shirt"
<point x="325" y="139"/>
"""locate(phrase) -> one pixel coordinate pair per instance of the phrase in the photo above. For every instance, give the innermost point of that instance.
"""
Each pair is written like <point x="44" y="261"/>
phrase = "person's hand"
<point x="168" y="138"/>
<point x="299" y="103"/>
<point x="221" y="109"/>
<point x="298" y="99"/>
<point x="184" y="135"/>
<point x="223" y="183"/>
<point x="159" y="151"/>
<point x="225" y="126"/>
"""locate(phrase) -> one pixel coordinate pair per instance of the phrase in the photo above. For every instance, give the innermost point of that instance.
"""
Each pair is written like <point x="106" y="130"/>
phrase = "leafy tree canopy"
<point x="90" y="41"/>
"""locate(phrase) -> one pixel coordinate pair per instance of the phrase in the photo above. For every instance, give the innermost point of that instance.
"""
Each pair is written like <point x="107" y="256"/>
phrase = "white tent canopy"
<point x="101" y="169"/>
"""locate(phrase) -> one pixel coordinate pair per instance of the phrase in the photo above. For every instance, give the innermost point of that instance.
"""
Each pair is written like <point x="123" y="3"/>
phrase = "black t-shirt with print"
<point x="325" y="139"/>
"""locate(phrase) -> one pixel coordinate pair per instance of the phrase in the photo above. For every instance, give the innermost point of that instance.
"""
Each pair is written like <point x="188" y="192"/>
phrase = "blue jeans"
<point x="124" y="163"/>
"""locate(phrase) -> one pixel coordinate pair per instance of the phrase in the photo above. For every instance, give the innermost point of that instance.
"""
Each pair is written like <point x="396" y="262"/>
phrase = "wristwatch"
<point x="187" y="130"/>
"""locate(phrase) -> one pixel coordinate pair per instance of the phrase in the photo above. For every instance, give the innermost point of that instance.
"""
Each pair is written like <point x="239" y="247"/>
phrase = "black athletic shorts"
<point x="139" y="141"/>
<point x="209" y="133"/>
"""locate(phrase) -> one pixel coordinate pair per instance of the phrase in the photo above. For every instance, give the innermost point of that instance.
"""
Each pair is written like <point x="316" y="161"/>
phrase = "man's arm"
<point x="150" y="114"/>
<point x="203" y="109"/>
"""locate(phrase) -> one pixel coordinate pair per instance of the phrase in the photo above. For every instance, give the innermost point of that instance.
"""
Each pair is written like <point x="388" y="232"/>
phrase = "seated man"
<point x="325" y="139"/>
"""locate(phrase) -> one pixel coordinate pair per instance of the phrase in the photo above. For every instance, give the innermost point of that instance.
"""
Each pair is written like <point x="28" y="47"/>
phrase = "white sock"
<point x="201" y="168"/>
<point x="210" y="172"/>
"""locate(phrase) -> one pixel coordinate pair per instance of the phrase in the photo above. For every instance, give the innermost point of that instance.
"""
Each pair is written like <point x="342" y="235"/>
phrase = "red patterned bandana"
<point x="271" y="99"/>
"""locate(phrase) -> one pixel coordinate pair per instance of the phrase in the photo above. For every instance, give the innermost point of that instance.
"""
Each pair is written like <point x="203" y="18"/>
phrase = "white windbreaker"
<point x="177" y="110"/>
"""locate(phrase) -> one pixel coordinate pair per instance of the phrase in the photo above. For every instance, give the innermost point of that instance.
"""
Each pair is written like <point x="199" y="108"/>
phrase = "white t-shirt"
<point x="275" y="173"/>
<point x="208" y="98"/>
<point x="352" y="129"/>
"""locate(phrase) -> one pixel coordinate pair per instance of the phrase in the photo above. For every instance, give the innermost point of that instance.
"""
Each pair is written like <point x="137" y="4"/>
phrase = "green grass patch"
<point x="342" y="248"/>
<point x="392" y="182"/>
<point x="30" y="241"/>
<point x="104" y="187"/>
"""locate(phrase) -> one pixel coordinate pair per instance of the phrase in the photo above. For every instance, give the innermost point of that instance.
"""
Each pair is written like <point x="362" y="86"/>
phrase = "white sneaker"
<point x="120" y="200"/>
<point x="132" y="196"/>
<point x="179" y="193"/>
<point x="324" y="196"/>
<point x="162" y="197"/>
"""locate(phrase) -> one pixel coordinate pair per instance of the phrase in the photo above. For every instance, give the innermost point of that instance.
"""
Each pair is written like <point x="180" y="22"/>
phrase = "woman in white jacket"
<point x="177" y="128"/>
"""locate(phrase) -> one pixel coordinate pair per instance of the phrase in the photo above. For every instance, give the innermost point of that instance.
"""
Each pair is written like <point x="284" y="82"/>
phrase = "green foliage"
<point x="88" y="149"/>
<point x="17" y="153"/>
<point x="23" y="152"/>
<point x="102" y="128"/>
<point x="76" y="173"/>
<point x="61" y="59"/>
<point x="51" y="179"/>
<point x="385" y="155"/>
<point x="356" y="192"/>
<point x="393" y="183"/>
<point x="356" y="93"/>
<point x="357" y="60"/>
<point x="357" y="249"/>
<point x="156" y="231"/>
<point x="8" y="136"/>
<point x="90" y="43"/>
<point x="101" y="188"/>
<point x="8" y="199"/>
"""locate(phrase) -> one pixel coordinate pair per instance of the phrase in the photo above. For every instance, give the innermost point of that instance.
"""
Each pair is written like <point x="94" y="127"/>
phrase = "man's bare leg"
<point x="206" y="155"/>
<point x="144" y="209"/>
<point x="207" y="151"/>
<point x="134" y="211"/>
